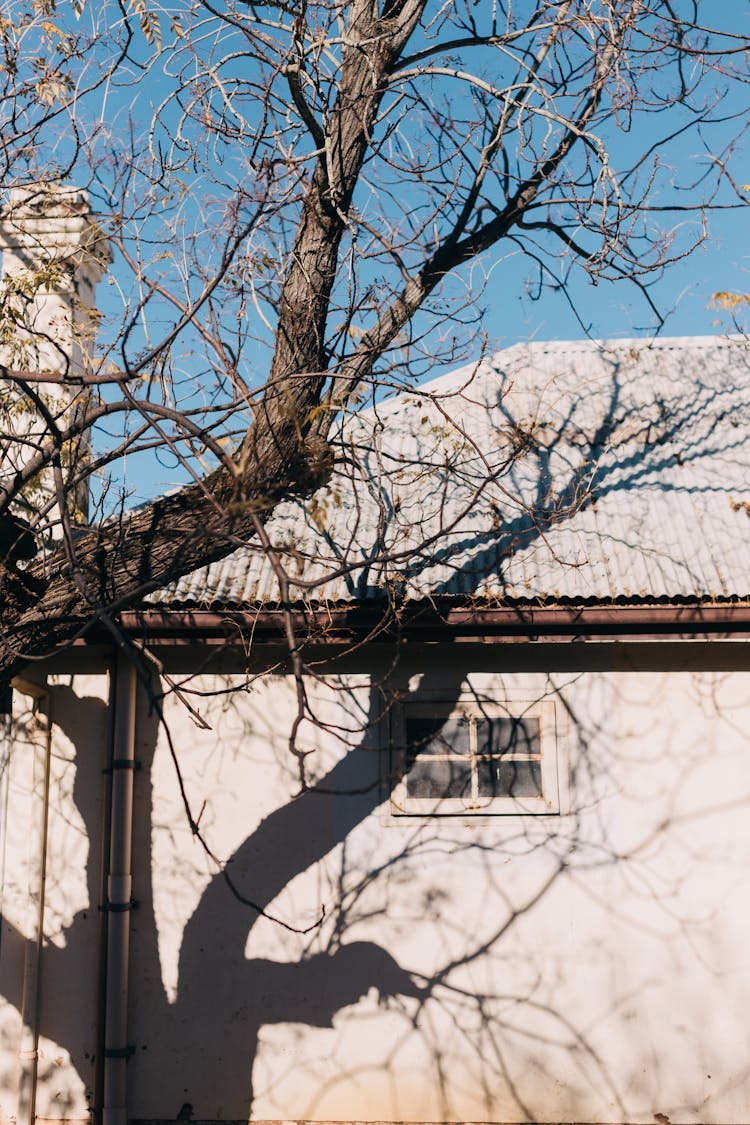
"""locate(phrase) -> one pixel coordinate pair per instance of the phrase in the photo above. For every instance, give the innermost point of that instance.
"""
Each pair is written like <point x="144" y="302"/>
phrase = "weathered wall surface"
<point x="590" y="966"/>
<point x="52" y="806"/>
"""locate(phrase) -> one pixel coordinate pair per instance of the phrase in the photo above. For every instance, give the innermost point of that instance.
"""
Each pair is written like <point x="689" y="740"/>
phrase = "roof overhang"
<point x="436" y="621"/>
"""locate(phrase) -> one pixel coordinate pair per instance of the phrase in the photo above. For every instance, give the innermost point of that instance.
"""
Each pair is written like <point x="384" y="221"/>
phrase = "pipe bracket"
<point x="118" y="1052"/>
<point x="119" y="907"/>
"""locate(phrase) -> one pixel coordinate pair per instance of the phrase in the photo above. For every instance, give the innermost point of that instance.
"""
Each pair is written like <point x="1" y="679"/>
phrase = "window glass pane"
<point x="436" y="734"/>
<point x="500" y="778"/>
<point x="508" y="736"/>
<point x="435" y="777"/>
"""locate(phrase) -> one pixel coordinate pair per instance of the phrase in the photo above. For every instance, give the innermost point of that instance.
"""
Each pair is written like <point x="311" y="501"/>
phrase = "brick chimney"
<point x="53" y="255"/>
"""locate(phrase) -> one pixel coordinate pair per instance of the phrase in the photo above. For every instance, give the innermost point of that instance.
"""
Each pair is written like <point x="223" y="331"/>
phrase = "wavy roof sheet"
<point x="583" y="472"/>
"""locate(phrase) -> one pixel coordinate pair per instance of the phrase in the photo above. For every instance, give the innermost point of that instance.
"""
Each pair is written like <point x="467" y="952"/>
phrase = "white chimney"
<point x="53" y="255"/>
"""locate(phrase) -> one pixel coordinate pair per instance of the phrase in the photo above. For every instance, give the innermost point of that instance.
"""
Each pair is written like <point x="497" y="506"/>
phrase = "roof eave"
<point x="432" y="621"/>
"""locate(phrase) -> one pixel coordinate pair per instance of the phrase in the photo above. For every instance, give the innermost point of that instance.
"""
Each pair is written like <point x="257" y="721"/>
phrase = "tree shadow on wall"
<point x="195" y="1052"/>
<point x="199" y="1053"/>
<point x="223" y="997"/>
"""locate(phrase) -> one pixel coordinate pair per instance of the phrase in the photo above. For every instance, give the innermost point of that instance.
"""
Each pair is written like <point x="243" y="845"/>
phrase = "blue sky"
<point x="614" y="309"/>
<point x="510" y="308"/>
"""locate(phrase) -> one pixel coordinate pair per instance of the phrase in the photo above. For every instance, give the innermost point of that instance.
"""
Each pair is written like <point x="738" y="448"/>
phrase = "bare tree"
<point x="295" y="226"/>
<point x="294" y="215"/>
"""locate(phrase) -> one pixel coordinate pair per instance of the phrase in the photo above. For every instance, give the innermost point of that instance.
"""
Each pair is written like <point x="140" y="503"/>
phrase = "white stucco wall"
<point x="68" y="895"/>
<point x="590" y="966"/>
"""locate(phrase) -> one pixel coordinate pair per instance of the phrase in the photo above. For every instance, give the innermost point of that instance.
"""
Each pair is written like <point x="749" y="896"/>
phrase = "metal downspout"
<point x="6" y="734"/>
<point x="119" y="897"/>
<point x="101" y="898"/>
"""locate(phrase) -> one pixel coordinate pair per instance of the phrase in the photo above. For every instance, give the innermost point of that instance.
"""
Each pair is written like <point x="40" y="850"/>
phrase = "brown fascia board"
<point x="432" y="621"/>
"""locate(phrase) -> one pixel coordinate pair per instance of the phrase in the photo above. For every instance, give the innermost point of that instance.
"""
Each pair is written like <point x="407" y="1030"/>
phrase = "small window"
<point x="474" y="758"/>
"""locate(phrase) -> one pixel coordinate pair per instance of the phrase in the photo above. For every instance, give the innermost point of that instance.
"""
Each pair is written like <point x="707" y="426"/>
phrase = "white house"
<point x="516" y="887"/>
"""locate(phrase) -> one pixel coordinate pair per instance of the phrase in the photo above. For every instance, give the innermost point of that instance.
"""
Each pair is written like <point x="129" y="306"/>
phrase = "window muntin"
<point x="474" y="758"/>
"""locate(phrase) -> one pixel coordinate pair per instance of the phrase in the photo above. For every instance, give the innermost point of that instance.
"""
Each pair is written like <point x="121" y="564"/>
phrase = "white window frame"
<point x="543" y="710"/>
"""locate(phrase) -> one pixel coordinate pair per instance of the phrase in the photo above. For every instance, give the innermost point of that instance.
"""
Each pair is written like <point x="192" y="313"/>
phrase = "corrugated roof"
<point x="584" y="471"/>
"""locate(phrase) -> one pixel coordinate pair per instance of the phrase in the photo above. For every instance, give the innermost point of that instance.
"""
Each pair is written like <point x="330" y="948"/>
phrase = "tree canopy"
<point x="302" y="201"/>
